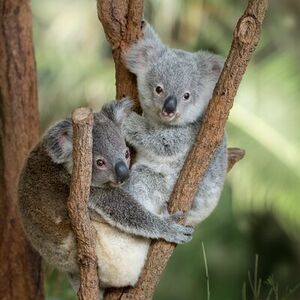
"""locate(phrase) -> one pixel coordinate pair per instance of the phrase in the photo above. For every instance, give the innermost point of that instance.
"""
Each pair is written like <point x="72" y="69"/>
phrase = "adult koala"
<point x="175" y="87"/>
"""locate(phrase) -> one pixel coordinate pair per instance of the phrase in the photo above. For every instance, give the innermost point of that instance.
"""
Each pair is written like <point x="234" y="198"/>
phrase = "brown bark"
<point x="234" y="156"/>
<point x="121" y="21"/>
<point x="20" y="271"/>
<point x="77" y="204"/>
<point x="246" y="36"/>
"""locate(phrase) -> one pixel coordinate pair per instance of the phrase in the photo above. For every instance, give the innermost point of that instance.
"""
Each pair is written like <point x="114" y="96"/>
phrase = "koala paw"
<point x="133" y="128"/>
<point x="177" y="233"/>
<point x="180" y="234"/>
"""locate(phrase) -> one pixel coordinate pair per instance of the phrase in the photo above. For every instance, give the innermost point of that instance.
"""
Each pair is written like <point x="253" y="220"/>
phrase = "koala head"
<point x="110" y="155"/>
<point x="174" y="86"/>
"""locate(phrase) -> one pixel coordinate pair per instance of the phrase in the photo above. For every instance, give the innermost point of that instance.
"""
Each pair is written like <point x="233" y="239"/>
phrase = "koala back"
<point x="42" y="193"/>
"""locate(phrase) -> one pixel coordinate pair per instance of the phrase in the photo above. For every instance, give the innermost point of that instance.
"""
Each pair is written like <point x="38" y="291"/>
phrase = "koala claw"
<point x="179" y="234"/>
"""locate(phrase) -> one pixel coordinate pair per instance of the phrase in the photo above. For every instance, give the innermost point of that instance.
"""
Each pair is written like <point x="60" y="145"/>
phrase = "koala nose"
<point x="122" y="171"/>
<point x="170" y="106"/>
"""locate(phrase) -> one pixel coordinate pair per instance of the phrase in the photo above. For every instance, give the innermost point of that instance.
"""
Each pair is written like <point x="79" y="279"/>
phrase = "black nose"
<point x="122" y="171"/>
<point x="170" y="105"/>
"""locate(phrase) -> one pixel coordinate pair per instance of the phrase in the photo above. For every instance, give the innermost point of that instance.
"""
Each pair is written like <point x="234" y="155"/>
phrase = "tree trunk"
<point x="20" y="271"/>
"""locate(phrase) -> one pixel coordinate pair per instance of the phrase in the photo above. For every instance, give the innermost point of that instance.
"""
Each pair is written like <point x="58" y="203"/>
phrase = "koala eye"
<point x="127" y="154"/>
<point x="159" y="89"/>
<point x="100" y="163"/>
<point x="186" y="96"/>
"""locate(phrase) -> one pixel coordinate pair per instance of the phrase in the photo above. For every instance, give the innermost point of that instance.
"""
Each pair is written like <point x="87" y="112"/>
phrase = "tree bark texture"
<point x="122" y="21"/>
<point x="234" y="156"/>
<point x="84" y="231"/>
<point x="245" y="39"/>
<point x="20" y="265"/>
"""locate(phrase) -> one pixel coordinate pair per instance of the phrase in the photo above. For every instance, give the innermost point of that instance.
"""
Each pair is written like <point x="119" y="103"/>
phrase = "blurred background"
<point x="259" y="213"/>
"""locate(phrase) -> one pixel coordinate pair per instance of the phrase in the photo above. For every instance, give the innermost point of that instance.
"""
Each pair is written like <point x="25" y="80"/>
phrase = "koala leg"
<point x="205" y="202"/>
<point x="148" y="187"/>
<point x="74" y="279"/>
<point x="210" y="189"/>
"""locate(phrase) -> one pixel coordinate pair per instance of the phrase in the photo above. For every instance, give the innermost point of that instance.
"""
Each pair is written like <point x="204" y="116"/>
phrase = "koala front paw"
<point x="133" y="128"/>
<point x="177" y="233"/>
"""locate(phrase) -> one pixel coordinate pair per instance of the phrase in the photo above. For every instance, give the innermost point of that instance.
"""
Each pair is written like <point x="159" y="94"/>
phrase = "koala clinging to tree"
<point x="119" y="220"/>
<point x="175" y="87"/>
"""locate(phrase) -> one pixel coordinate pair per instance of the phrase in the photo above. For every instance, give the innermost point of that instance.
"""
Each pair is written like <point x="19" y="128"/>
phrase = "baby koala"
<point x="119" y="220"/>
<point x="174" y="87"/>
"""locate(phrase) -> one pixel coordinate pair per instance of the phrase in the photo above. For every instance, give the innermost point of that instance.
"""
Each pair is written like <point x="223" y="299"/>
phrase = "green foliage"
<point x="259" y="210"/>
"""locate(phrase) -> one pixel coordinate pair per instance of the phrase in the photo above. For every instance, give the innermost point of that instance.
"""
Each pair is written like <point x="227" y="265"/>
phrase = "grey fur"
<point x="44" y="189"/>
<point x="162" y="142"/>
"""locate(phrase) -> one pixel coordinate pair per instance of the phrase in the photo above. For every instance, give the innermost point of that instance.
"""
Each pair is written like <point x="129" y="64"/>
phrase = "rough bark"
<point x="121" y="21"/>
<point x="234" y="156"/>
<point x="246" y="36"/>
<point x="20" y="271"/>
<point x="84" y="231"/>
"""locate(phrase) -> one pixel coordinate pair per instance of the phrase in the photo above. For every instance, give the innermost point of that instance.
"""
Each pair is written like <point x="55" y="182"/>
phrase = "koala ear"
<point x="211" y="62"/>
<point x="118" y="111"/>
<point x="144" y="51"/>
<point x="59" y="141"/>
<point x="149" y="33"/>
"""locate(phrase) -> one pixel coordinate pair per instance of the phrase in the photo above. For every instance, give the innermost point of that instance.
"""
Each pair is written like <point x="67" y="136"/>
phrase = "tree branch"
<point x="77" y="204"/>
<point x="246" y="36"/>
<point x="122" y="21"/>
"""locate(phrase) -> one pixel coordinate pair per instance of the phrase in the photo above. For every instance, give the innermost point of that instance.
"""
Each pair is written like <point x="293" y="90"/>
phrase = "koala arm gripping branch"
<point x="163" y="141"/>
<point x="123" y="212"/>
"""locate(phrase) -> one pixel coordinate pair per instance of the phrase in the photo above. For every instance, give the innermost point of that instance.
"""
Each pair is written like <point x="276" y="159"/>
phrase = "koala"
<point x="118" y="218"/>
<point x="174" y="87"/>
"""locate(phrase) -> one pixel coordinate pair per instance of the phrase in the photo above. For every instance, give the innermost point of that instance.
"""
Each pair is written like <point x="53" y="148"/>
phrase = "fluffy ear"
<point x="118" y="111"/>
<point x="58" y="141"/>
<point x="149" y="33"/>
<point x="211" y="62"/>
<point x="144" y="51"/>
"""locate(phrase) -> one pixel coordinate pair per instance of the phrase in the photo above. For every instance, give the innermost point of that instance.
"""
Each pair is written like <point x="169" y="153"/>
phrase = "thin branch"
<point x="77" y="204"/>
<point x="246" y="36"/>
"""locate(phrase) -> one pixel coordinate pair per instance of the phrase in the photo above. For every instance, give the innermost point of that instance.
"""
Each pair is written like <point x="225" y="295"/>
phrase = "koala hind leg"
<point x="210" y="188"/>
<point x="74" y="279"/>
